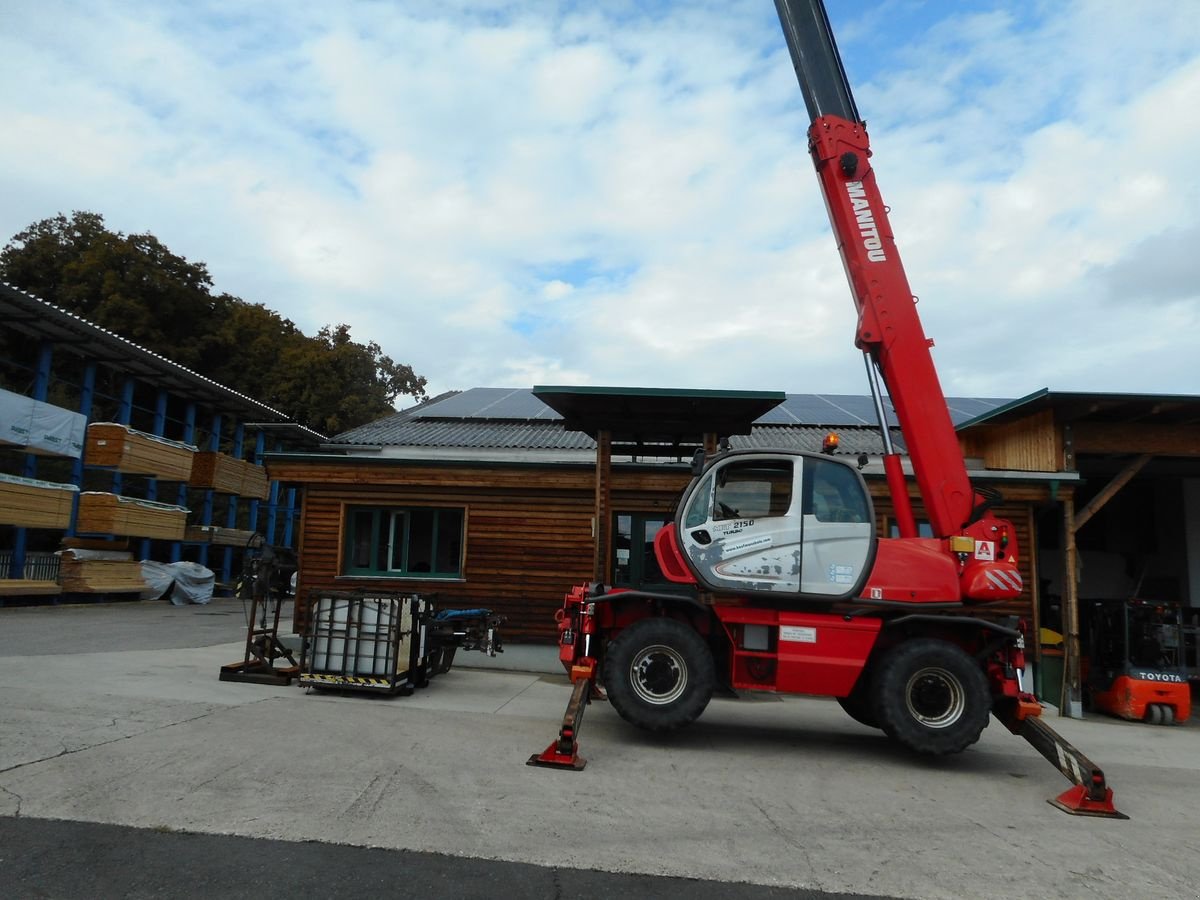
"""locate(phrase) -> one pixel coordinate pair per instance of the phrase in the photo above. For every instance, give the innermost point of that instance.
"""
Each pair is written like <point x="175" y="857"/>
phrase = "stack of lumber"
<point x="41" y="428"/>
<point x="100" y="572"/>
<point x="101" y="513"/>
<point x="138" y="453"/>
<point x="220" y="472"/>
<point x="28" y="587"/>
<point x="214" y="534"/>
<point x="35" y="504"/>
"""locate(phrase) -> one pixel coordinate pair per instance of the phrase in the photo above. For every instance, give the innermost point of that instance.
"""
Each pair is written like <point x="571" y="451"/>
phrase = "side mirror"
<point x="698" y="461"/>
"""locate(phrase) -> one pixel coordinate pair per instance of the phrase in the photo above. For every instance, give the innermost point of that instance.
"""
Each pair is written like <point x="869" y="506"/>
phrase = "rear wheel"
<point x="1154" y="714"/>
<point x="659" y="674"/>
<point x="931" y="696"/>
<point x="1168" y="715"/>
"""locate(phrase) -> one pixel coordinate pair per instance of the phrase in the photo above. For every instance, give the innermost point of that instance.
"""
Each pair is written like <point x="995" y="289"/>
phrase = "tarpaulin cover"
<point x="41" y="427"/>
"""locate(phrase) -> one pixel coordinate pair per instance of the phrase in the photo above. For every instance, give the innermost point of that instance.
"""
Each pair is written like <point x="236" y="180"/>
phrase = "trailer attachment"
<point x="1091" y="795"/>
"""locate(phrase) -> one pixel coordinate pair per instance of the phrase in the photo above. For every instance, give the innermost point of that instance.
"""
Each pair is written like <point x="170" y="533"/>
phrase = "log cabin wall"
<point x="528" y="529"/>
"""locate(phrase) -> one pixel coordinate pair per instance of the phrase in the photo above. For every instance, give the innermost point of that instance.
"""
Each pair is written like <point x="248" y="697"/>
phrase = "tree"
<point x="136" y="287"/>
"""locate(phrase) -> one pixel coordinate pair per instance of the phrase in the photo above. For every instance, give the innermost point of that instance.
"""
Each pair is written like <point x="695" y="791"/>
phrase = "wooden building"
<point x="507" y="498"/>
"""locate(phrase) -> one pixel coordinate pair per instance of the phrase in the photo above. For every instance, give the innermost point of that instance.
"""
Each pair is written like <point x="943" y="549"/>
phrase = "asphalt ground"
<point x="128" y="769"/>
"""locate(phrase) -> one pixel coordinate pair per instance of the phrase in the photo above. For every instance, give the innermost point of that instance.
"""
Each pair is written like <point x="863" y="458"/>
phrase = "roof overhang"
<point x="657" y="415"/>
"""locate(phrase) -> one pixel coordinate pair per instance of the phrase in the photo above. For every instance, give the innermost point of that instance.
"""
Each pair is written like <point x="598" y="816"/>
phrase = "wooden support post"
<point x="1070" y="701"/>
<point x="1072" y="693"/>
<point x="602" y="550"/>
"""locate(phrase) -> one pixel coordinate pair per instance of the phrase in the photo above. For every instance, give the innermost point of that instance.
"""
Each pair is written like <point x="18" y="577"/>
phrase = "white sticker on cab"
<point x="798" y="634"/>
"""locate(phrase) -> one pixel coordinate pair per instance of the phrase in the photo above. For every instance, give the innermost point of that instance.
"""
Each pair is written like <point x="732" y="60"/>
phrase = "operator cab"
<point x="797" y="524"/>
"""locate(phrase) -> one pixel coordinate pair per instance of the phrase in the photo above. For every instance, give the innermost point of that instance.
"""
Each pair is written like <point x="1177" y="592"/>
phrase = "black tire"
<point x="1168" y="714"/>
<point x="659" y="674"/>
<point x="858" y="704"/>
<point x="930" y="696"/>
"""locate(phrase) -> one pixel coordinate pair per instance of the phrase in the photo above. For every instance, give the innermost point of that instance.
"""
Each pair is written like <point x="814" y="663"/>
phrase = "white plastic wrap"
<point x="41" y="427"/>
<point x="158" y="577"/>
<point x="193" y="583"/>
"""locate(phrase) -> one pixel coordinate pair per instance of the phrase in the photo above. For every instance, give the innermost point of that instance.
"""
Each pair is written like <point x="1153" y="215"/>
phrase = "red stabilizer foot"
<point x="1076" y="802"/>
<point x="551" y="758"/>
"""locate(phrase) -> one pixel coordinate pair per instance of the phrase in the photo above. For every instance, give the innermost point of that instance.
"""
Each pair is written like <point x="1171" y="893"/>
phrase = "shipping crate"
<point x="218" y="536"/>
<point x="35" y="504"/>
<point x="366" y="642"/>
<point x="138" y="453"/>
<point x="101" y="513"/>
<point x="95" y="572"/>
<point x="228" y="475"/>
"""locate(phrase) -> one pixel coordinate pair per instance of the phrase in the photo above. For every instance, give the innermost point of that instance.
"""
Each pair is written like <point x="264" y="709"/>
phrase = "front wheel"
<point x="659" y="674"/>
<point x="931" y="696"/>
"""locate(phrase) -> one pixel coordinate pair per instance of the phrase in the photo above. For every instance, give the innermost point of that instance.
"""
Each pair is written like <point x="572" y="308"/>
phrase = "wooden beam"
<point x="1109" y="491"/>
<point x="1070" y="701"/>
<point x="1157" y="440"/>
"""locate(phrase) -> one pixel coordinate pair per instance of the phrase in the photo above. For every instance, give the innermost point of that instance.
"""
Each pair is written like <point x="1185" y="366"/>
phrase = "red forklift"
<point x="786" y="585"/>
<point x="1134" y="668"/>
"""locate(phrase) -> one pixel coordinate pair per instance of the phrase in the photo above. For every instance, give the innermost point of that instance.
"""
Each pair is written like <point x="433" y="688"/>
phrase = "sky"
<point x="504" y="194"/>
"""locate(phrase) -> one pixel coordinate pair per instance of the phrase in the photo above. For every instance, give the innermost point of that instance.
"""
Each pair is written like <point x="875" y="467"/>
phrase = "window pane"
<point x="420" y="540"/>
<point x="697" y="513"/>
<point x="753" y="490"/>
<point x="360" y="536"/>
<point x="449" y="541"/>
<point x="622" y="543"/>
<point x="397" y="542"/>
<point x="837" y="494"/>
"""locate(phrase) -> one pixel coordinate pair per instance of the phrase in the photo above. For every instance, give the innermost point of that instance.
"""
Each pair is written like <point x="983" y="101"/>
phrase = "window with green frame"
<point x="421" y="542"/>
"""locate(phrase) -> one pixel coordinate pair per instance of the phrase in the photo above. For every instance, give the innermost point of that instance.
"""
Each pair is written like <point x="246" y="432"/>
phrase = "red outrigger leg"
<point x="564" y="752"/>
<point x="1091" y="795"/>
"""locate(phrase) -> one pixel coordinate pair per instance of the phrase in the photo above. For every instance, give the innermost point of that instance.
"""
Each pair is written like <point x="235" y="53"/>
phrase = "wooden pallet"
<point x="138" y="453"/>
<point x="220" y="472"/>
<point x="35" y="504"/>
<point x="101" y="513"/>
<point x="100" y="576"/>
<point x="222" y="537"/>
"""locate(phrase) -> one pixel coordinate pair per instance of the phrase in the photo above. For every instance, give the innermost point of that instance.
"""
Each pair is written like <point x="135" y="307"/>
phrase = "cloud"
<point x="563" y="193"/>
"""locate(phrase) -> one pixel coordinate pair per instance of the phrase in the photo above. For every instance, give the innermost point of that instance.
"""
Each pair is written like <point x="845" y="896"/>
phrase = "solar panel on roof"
<point x="490" y="403"/>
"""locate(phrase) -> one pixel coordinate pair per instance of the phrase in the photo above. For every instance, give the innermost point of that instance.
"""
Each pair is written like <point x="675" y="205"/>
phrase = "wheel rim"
<point x="935" y="697"/>
<point x="658" y="674"/>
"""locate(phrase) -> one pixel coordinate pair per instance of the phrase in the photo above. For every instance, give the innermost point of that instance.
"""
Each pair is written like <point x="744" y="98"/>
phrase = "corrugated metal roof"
<point x="482" y="418"/>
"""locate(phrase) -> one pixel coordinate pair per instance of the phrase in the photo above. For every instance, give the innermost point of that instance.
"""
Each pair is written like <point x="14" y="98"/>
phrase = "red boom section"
<point x="889" y="328"/>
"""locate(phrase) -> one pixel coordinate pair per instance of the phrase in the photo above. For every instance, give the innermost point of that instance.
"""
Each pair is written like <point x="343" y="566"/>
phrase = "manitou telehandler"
<point x="792" y="589"/>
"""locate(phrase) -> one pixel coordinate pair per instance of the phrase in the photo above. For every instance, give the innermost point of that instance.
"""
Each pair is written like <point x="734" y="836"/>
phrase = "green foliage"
<point x="134" y="286"/>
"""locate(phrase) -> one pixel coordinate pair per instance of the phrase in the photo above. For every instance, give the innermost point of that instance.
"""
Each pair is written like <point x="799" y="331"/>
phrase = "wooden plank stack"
<point x="100" y="573"/>
<point x="35" y="504"/>
<point x="228" y="475"/>
<point x="138" y="453"/>
<point x="28" y="587"/>
<point x="102" y="513"/>
<point x="223" y="537"/>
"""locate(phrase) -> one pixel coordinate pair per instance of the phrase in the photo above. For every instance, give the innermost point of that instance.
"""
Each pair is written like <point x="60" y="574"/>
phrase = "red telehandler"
<point x="792" y="590"/>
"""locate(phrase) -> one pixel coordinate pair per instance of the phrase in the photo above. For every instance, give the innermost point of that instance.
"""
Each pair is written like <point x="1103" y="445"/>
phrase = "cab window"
<point x="833" y="493"/>
<point x="753" y="489"/>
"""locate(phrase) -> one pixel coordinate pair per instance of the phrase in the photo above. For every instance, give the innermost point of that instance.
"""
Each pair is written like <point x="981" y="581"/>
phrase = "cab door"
<point x="782" y="524"/>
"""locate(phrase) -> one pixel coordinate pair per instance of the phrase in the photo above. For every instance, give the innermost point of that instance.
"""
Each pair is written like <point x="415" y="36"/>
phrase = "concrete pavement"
<point x="114" y="714"/>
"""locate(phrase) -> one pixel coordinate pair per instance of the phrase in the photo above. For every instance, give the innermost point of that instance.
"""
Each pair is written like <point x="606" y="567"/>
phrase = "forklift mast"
<point x="889" y="330"/>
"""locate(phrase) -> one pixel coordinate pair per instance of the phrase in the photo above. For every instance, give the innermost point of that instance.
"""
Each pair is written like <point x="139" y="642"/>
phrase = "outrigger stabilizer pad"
<point x="564" y="752"/>
<point x="1079" y="801"/>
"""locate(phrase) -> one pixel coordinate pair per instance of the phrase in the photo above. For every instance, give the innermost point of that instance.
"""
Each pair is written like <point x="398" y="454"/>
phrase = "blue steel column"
<point x="189" y="433"/>
<point x="160" y="426"/>
<point x="260" y="443"/>
<point x="273" y="509"/>
<point x="124" y="417"/>
<point x="239" y="437"/>
<point x="41" y="387"/>
<point x="87" y="392"/>
<point x="290" y="517"/>
<point x="206" y="509"/>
